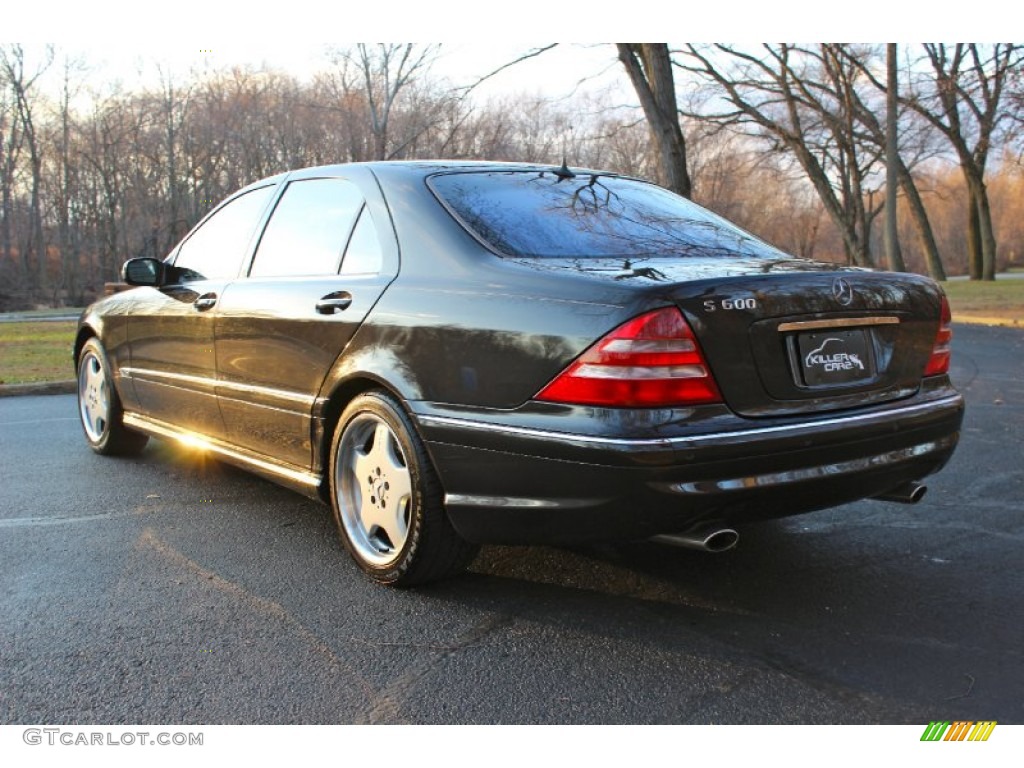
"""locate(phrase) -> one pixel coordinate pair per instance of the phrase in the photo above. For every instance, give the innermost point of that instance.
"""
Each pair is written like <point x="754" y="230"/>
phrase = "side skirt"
<point x="301" y="480"/>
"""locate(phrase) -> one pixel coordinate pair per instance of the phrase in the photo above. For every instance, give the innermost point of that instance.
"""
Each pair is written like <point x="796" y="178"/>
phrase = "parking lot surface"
<point x="171" y="588"/>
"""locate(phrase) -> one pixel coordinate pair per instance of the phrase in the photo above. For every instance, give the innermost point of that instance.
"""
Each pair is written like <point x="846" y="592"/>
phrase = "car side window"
<point x="308" y="229"/>
<point x="363" y="254"/>
<point x="216" y="250"/>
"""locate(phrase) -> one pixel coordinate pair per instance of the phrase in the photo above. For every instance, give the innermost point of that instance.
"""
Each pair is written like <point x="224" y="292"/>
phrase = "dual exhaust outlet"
<point x="716" y="538"/>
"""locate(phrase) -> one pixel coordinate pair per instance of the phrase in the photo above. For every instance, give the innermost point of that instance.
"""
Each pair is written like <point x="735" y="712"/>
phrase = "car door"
<point x="171" y="328"/>
<point x="324" y="258"/>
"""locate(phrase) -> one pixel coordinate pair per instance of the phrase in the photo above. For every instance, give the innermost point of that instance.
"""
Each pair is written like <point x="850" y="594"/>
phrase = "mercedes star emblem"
<point x="842" y="291"/>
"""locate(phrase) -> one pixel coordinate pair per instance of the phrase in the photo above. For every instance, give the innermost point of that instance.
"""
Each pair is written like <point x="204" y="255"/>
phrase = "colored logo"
<point x="960" y="730"/>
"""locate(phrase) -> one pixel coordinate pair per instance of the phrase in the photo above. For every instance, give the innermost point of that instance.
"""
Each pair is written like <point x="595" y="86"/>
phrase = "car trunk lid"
<point x="813" y="341"/>
<point x="791" y="336"/>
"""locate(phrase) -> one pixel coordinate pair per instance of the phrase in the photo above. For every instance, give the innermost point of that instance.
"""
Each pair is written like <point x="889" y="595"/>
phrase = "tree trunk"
<point x="36" y="210"/>
<point x="981" y="239"/>
<point x="973" y="239"/>
<point x="987" y="233"/>
<point x="923" y="224"/>
<point x="649" y="67"/>
<point x="892" y="240"/>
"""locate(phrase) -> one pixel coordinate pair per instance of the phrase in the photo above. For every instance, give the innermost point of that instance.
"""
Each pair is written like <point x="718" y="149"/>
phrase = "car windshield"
<point x="548" y="215"/>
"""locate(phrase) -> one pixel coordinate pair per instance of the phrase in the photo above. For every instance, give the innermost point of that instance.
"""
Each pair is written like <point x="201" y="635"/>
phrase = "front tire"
<point x="387" y="500"/>
<point x="99" y="407"/>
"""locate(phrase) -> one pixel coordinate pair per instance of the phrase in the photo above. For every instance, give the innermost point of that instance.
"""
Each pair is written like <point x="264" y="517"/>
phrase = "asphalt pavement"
<point x="172" y="589"/>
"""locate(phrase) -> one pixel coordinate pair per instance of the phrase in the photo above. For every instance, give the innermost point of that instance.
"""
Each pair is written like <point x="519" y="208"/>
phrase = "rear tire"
<point x="99" y="407"/>
<point x="387" y="500"/>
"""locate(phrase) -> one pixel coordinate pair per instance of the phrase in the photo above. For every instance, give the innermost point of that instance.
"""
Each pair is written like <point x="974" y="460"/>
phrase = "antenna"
<point x="564" y="173"/>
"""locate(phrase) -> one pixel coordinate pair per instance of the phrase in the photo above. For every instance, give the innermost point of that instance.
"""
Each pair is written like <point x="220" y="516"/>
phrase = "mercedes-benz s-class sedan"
<point x="454" y="354"/>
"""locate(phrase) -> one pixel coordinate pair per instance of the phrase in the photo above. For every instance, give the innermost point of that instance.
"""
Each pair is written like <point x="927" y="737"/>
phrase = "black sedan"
<point x="454" y="354"/>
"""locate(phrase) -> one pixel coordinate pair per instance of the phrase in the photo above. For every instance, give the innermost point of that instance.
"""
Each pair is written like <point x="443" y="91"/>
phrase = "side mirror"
<point x="144" y="271"/>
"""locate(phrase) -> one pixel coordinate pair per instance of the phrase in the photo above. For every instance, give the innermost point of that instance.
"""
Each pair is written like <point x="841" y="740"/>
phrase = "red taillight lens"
<point x="939" y="361"/>
<point x="651" y="361"/>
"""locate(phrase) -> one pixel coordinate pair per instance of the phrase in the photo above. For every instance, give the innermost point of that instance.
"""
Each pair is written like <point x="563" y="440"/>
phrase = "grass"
<point x="990" y="303"/>
<point x="36" y="351"/>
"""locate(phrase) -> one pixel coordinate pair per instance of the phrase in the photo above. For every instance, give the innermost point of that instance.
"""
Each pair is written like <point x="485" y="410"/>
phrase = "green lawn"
<point x="993" y="303"/>
<point x="36" y="351"/>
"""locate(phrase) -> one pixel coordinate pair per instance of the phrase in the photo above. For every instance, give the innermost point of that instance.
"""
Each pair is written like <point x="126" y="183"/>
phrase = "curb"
<point x="43" y="388"/>
<point x="970" y="319"/>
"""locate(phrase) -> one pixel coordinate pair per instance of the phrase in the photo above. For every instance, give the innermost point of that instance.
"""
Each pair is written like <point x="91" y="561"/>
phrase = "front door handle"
<point x="334" y="302"/>
<point x="205" y="302"/>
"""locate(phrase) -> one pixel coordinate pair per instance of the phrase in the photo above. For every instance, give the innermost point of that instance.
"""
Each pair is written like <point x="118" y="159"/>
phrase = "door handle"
<point x="334" y="302"/>
<point x="205" y="302"/>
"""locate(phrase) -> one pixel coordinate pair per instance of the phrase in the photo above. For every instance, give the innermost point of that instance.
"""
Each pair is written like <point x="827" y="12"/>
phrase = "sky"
<point x="128" y="22"/>
<point x="118" y="38"/>
<point x="555" y="73"/>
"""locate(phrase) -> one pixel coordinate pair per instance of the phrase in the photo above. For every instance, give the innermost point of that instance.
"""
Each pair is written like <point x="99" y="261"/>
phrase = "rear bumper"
<point x="508" y="483"/>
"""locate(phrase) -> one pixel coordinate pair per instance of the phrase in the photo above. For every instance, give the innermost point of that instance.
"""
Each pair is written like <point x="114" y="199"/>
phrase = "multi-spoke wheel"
<point x="99" y="406"/>
<point x="387" y="500"/>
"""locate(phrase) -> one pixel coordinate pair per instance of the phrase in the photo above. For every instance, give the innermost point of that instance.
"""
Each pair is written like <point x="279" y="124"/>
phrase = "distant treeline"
<point x="785" y="141"/>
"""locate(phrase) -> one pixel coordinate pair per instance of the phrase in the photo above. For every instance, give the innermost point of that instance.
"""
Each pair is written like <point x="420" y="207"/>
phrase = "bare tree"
<point x="171" y="111"/>
<point x="892" y="239"/>
<point x="800" y="101"/>
<point x="21" y="83"/>
<point x="380" y="74"/>
<point x="961" y="97"/>
<point x="10" y="152"/>
<point x="63" y="185"/>
<point x="911" y="147"/>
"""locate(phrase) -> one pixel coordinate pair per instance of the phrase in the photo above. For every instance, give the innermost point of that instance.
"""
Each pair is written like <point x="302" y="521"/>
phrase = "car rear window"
<point x="543" y="215"/>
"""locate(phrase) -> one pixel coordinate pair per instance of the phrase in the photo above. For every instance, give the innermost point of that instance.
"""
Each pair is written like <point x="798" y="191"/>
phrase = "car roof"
<point x="428" y="167"/>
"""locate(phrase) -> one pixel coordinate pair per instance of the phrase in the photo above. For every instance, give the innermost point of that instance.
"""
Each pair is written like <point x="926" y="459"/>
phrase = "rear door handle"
<point x="205" y="302"/>
<point x="334" y="302"/>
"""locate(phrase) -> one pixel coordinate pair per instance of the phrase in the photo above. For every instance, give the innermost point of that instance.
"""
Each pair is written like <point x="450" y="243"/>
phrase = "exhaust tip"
<point x="722" y="541"/>
<point x="908" y="493"/>
<point x="708" y="540"/>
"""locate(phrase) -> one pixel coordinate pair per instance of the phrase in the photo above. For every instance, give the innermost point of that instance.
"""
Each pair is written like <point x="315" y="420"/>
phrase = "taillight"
<point x="939" y="361"/>
<point x="650" y="361"/>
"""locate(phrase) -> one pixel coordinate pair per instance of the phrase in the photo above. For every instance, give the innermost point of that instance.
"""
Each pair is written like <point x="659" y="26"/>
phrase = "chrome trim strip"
<point x="145" y="373"/>
<point x="513" y="502"/>
<point x="193" y="440"/>
<point x="249" y="403"/>
<point x="177" y="387"/>
<point x="839" y="322"/>
<point x="953" y="401"/>
<point x="278" y="394"/>
<point x="220" y="384"/>
<point x="702" y="487"/>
